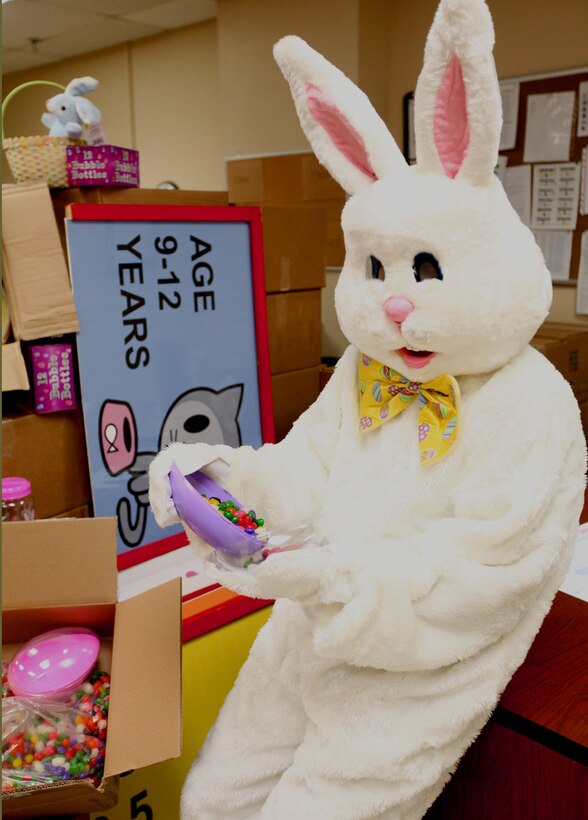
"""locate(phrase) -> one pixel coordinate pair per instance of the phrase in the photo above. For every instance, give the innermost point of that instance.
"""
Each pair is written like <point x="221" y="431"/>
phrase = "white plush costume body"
<point x="388" y="649"/>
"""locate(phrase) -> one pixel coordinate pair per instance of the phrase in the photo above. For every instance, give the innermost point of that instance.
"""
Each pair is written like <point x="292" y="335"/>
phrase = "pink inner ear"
<point x="344" y="136"/>
<point x="451" y="130"/>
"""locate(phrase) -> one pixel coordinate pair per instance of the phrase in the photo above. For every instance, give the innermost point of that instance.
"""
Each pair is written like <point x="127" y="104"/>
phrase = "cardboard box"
<point x="14" y="370"/>
<point x="35" y="272"/>
<point x="290" y="180"/>
<point x="326" y="371"/>
<point x="317" y="183"/>
<point x="70" y="580"/>
<point x="62" y="197"/>
<point x="102" y="165"/>
<point x="78" y="512"/>
<point x="294" y="328"/>
<point x="273" y="180"/>
<point x="335" y="256"/>
<point x="50" y="451"/>
<point x="555" y="350"/>
<point x="575" y="337"/>
<point x="583" y="405"/>
<point x="281" y="179"/>
<point x="293" y="393"/>
<point x="294" y="248"/>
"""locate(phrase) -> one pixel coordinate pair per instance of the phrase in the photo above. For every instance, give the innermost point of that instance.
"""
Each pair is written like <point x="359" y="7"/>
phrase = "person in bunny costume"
<point x="443" y="464"/>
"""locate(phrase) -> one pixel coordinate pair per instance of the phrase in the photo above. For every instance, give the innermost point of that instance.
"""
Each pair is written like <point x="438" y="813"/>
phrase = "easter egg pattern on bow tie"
<point x="377" y="391"/>
<point x="366" y="360"/>
<point x="450" y="428"/>
<point x="361" y="388"/>
<point x="384" y="410"/>
<point x="423" y="430"/>
<point x="427" y="455"/>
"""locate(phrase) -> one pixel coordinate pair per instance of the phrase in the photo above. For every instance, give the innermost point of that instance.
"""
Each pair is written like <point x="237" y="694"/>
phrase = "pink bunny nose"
<point x="398" y="308"/>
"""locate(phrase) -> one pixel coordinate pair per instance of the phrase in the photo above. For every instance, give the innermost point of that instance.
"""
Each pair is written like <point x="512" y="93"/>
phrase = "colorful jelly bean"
<point x="54" y="747"/>
<point x="245" y="519"/>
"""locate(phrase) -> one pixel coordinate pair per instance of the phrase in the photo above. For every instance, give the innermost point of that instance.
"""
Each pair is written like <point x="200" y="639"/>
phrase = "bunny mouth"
<point x="415" y="358"/>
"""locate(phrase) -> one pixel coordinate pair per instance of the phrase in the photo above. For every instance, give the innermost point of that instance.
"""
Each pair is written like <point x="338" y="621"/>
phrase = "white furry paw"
<point x="160" y="497"/>
<point x="188" y="458"/>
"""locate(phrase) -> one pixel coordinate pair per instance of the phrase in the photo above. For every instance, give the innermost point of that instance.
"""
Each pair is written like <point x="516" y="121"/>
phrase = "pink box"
<point x="53" y="377"/>
<point x="102" y="165"/>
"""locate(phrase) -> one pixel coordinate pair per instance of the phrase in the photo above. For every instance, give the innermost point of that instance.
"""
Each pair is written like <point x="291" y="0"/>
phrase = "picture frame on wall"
<point x="172" y="347"/>
<point x="408" y="147"/>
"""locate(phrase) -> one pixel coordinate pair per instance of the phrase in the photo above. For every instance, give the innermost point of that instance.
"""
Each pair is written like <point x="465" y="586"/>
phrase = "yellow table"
<point x="211" y="664"/>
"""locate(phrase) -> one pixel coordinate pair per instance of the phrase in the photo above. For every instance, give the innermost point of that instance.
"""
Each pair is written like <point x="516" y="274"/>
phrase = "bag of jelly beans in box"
<point x="46" y="742"/>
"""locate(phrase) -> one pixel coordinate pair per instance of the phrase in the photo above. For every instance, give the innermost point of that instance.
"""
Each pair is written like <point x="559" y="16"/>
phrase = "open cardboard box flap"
<point x="71" y="798"/>
<point x="146" y="704"/>
<point x="14" y="369"/>
<point x="35" y="272"/>
<point x="65" y="562"/>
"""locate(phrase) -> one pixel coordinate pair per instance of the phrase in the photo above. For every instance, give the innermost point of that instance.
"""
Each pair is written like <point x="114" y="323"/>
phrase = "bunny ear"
<point x="87" y="111"/>
<point x="345" y="132"/>
<point x="81" y="85"/>
<point x="458" y="111"/>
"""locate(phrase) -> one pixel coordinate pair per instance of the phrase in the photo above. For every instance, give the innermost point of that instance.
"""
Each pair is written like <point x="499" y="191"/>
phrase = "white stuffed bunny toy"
<point x="69" y="112"/>
<point x="443" y="464"/>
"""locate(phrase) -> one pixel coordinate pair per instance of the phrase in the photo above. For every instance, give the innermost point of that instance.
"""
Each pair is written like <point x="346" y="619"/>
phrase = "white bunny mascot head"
<point x="442" y="469"/>
<point x="460" y="276"/>
<point x="69" y="112"/>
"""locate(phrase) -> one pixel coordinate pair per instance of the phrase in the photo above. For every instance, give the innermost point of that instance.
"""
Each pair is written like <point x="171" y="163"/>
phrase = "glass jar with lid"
<point x="17" y="500"/>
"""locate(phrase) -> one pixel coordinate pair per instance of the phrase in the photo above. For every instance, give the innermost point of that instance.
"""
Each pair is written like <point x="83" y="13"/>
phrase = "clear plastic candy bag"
<point x="272" y="542"/>
<point x="46" y="742"/>
<point x="5" y="687"/>
<point x="238" y="537"/>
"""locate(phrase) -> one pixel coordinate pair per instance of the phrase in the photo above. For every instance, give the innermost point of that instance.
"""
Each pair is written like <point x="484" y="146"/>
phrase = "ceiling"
<point x="35" y="32"/>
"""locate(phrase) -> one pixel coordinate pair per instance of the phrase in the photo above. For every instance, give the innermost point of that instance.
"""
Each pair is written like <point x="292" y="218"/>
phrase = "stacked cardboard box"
<point x="291" y="179"/>
<point x="298" y="199"/>
<point x="50" y="451"/>
<point x="566" y="346"/>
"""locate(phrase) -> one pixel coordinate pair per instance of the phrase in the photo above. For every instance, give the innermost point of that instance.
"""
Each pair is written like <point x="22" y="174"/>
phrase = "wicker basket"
<point x="34" y="158"/>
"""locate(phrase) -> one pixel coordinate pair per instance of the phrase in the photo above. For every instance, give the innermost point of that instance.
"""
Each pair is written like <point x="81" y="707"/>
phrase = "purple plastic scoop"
<point x="204" y="519"/>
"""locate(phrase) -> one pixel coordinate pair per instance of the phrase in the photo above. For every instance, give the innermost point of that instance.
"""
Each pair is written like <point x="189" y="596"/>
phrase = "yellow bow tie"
<point x="383" y="393"/>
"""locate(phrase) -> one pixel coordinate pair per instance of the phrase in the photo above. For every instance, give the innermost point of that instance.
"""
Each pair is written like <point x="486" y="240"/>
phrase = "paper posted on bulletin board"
<point x="168" y="350"/>
<point x="542" y="163"/>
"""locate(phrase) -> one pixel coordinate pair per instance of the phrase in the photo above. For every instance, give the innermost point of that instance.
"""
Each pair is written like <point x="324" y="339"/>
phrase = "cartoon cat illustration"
<point x="198" y="415"/>
<point x="204" y="415"/>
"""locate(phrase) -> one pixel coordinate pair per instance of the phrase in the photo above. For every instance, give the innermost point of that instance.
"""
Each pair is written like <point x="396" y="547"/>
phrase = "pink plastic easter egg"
<point x="54" y="663"/>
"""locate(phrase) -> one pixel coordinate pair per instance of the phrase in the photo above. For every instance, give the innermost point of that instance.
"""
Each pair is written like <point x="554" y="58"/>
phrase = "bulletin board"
<point x="575" y="83"/>
<point x="543" y="163"/>
<point x="172" y="347"/>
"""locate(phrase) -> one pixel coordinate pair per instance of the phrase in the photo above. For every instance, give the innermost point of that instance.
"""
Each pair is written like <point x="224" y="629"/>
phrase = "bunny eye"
<point x="63" y="107"/>
<point x="425" y="266"/>
<point x="375" y="269"/>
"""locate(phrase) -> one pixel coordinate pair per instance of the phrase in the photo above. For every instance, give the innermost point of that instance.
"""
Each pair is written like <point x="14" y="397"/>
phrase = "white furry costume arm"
<point x="464" y="581"/>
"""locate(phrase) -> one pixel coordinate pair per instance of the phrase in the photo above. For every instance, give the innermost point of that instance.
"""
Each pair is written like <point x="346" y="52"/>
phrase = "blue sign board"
<point x="168" y="345"/>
